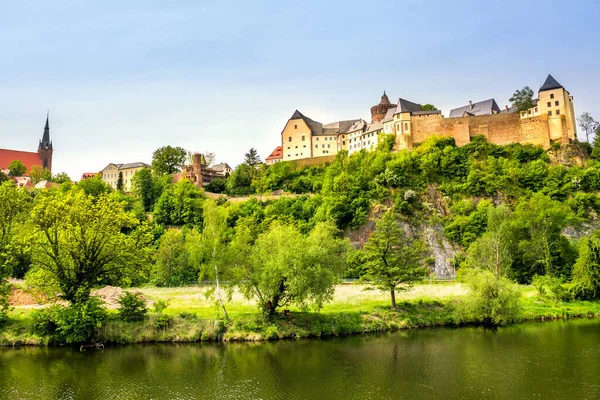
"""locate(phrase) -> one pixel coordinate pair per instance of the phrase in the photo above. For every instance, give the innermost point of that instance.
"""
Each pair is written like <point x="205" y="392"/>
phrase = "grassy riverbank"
<point x="190" y="317"/>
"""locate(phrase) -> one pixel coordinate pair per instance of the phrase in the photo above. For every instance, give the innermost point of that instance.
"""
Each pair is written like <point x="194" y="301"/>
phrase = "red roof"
<point x="26" y="157"/>
<point x="87" y="175"/>
<point x="276" y="154"/>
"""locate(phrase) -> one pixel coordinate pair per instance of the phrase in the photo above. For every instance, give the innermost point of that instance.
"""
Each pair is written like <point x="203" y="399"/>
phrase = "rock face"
<point x="569" y="154"/>
<point x="441" y="250"/>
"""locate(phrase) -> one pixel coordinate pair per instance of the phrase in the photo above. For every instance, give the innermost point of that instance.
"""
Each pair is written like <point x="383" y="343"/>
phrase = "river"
<point x="555" y="360"/>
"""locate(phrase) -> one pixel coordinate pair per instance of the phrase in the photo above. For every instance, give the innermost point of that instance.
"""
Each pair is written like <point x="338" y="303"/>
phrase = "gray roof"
<point x="426" y="112"/>
<point x="374" y="127"/>
<point x="356" y="126"/>
<point x="510" y="110"/>
<point x="315" y="127"/>
<point x="337" y="127"/>
<point x="220" y="167"/>
<point x="389" y="115"/>
<point x="407" y="106"/>
<point x="550" y="84"/>
<point x="486" y="107"/>
<point x="132" y="165"/>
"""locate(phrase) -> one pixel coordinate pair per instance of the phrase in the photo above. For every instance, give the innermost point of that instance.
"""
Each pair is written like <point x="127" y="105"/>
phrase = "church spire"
<point x="45" y="142"/>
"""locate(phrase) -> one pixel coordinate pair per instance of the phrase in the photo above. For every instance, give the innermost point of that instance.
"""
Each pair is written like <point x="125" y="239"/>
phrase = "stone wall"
<point x="502" y="129"/>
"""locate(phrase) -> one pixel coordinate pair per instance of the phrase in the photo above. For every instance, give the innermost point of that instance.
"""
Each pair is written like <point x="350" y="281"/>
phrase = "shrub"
<point x="550" y="287"/>
<point x="491" y="300"/>
<point x="160" y="305"/>
<point x="77" y="323"/>
<point x="132" y="307"/>
<point x="585" y="284"/>
<point x="4" y="305"/>
<point x="162" y="322"/>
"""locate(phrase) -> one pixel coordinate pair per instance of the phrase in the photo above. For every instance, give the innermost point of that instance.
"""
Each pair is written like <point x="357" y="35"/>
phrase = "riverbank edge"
<point x="189" y="328"/>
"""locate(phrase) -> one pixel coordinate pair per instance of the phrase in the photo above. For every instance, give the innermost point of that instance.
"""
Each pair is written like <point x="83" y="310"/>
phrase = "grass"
<point x="191" y="316"/>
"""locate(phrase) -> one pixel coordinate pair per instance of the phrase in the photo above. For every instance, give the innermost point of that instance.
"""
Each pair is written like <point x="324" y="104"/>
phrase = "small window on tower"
<point x="552" y="95"/>
<point x="290" y="139"/>
<point x="556" y="103"/>
<point x="549" y="104"/>
<point x="295" y="126"/>
<point x="303" y="138"/>
<point x="557" y="112"/>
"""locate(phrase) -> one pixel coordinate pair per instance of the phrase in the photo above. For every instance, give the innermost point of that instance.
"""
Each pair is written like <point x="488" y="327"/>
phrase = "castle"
<point x="43" y="156"/>
<point x="551" y="119"/>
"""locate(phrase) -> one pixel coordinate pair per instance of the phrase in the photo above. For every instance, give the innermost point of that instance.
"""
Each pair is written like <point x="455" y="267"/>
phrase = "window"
<point x="552" y="95"/>
<point x="303" y="138"/>
<point x="322" y="146"/>
<point x="406" y="126"/>
<point x="328" y="146"/>
<point x="549" y="104"/>
<point x="556" y="103"/>
<point x="523" y="114"/>
<point x="536" y="109"/>
<point x="316" y="146"/>
<point x="343" y="143"/>
<point x="288" y="147"/>
<point x="296" y="146"/>
<point x="557" y="112"/>
<point x="317" y="139"/>
<point x="304" y="146"/>
<point x="295" y="126"/>
<point x="549" y="112"/>
<point x="290" y="139"/>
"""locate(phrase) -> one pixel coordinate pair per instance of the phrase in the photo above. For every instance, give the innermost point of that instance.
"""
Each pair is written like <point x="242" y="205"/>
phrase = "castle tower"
<point x="45" y="149"/>
<point x="378" y="111"/>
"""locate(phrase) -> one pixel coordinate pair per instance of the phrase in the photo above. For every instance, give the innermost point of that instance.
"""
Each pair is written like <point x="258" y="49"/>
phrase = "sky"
<point x="122" y="78"/>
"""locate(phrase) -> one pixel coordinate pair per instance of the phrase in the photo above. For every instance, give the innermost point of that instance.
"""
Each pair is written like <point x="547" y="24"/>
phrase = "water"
<point x="557" y="360"/>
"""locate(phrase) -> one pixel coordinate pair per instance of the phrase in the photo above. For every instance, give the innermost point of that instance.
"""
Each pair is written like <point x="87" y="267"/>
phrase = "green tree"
<point x="522" y="99"/>
<point x="147" y="187"/>
<point x="174" y="265"/>
<point x="392" y="258"/>
<point x="168" y="160"/>
<point x="286" y="267"/>
<point x="491" y="299"/>
<point x="94" y="186"/>
<point x="16" y="168"/>
<point x="120" y="182"/>
<point x="588" y="124"/>
<point x="80" y="241"/>
<point x="429" y="107"/>
<point x="3" y="177"/>
<point x="61" y="177"/>
<point x="252" y="158"/>
<point x="39" y="174"/>
<point x="492" y="251"/>
<point x="585" y="281"/>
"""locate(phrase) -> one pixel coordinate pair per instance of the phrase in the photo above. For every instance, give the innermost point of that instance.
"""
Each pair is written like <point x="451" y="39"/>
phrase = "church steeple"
<point x="45" y="149"/>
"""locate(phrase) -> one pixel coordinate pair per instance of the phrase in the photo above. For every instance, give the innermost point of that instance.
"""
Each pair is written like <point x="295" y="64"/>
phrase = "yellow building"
<point x="304" y="138"/>
<point x="110" y="174"/>
<point x="556" y="104"/>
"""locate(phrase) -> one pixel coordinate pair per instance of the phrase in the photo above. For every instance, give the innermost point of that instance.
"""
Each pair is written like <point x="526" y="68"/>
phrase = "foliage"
<point x="180" y="204"/>
<point x="81" y="241"/>
<point x="550" y="287"/>
<point x="132" y="306"/>
<point x="491" y="300"/>
<point x="94" y="186"/>
<point x="16" y="168"/>
<point x="429" y="107"/>
<point x="252" y="158"/>
<point x="77" y="323"/>
<point x="286" y="267"/>
<point x="120" y="182"/>
<point x="168" y="160"/>
<point x="588" y="124"/>
<point x="61" y="177"/>
<point x="174" y="266"/>
<point x="393" y="259"/>
<point x="148" y="187"/>
<point x="3" y="177"/>
<point x="38" y="174"/>
<point x="585" y="283"/>
<point x="522" y="99"/>
<point x="15" y="206"/>
<point x="217" y="185"/>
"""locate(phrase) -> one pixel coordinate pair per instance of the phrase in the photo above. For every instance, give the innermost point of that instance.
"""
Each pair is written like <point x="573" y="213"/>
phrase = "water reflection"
<point x="552" y="360"/>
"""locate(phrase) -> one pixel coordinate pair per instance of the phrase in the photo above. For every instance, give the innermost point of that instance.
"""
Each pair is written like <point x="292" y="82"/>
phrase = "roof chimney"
<point x="470" y="105"/>
<point x="506" y="107"/>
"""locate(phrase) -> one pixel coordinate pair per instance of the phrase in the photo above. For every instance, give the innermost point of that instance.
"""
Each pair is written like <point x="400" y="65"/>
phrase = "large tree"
<point x="81" y="241"/>
<point x="39" y="174"/>
<point x="286" y="267"/>
<point x="120" y="182"/>
<point x="61" y="177"/>
<point x="144" y="186"/>
<point x="16" y="168"/>
<point x="252" y="158"/>
<point x="168" y="160"/>
<point x="522" y="99"/>
<point x="94" y="186"/>
<point x="429" y="107"/>
<point x="588" y="124"/>
<point x="393" y="260"/>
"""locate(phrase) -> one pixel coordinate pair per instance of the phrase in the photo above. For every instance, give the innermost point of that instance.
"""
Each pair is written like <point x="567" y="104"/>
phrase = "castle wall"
<point x="501" y="129"/>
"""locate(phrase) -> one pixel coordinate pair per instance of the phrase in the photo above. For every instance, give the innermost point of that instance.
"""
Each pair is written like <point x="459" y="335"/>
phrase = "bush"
<point x="491" y="300"/>
<point x="4" y="305"/>
<point x="77" y="323"/>
<point x="133" y="307"/>
<point x="585" y="284"/>
<point x="550" y="287"/>
<point x="160" y="305"/>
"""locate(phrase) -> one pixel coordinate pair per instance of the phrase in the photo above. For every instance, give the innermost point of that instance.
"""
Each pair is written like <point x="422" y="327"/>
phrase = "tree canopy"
<point x="16" y="168"/>
<point x="252" y="158"/>
<point x="522" y="99"/>
<point x="168" y="160"/>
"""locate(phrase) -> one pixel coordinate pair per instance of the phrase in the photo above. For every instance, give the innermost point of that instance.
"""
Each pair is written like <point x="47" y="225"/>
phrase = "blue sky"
<point x="124" y="77"/>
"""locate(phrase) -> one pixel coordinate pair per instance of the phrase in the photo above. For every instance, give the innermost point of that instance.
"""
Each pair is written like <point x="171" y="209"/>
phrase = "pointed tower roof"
<point x="384" y="99"/>
<point x="46" y="136"/>
<point x="550" y="84"/>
